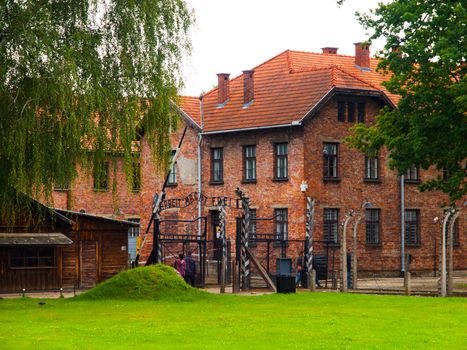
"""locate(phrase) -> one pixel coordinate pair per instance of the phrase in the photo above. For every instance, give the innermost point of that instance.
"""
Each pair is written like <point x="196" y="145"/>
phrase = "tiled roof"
<point x="190" y="106"/>
<point x="286" y="88"/>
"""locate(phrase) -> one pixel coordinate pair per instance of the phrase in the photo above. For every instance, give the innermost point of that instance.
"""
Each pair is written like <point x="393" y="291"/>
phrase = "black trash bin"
<point x="285" y="281"/>
<point x="285" y="284"/>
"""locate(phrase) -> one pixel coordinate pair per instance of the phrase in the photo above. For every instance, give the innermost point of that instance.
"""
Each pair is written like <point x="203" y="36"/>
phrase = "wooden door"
<point x="88" y="276"/>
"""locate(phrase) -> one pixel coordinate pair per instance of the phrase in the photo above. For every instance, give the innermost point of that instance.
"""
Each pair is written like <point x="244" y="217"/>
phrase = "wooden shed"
<point x="61" y="249"/>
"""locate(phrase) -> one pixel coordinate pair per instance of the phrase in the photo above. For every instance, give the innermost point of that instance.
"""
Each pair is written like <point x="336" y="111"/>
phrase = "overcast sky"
<point x="235" y="35"/>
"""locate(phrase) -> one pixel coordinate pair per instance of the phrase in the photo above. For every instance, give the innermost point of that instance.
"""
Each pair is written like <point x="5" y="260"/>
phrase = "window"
<point x="62" y="186"/>
<point x="331" y="225"/>
<point x="172" y="180"/>
<point x="281" y="224"/>
<point x="373" y="226"/>
<point x="249" y="163"/>
<point x="134" y="231"/>
<point x="330" y="161"/>
<point x="412" y="174"/>
<point x="136" y="185"/>
<point x="281" y="171"/>
<point x="361" y="112"/>
<point x="133" y="242"/>
<point x="412" y="227"/>
<point x="350" y="112"/>
<point x="347" y="110"/>
<point x="101" y="178"/>
<point x="341" y="111"/>
<point x="371" y="166"/>
<point x="32" y="257"/>
<point x="217" y="165"/>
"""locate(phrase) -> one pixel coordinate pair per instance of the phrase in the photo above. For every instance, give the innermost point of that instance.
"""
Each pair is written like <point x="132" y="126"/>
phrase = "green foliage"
<point x="80" y="76"/>
<point x="143" y="283"/>
<point x="425" y="55"/>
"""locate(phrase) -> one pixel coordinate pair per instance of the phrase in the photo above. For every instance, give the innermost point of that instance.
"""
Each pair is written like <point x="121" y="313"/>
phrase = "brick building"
<point x="277" y="131"/>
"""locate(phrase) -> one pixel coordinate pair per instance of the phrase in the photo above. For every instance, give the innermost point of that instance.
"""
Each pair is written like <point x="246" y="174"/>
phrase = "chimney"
<point x="222" y="88"/>
<point x="330" y="50"/>
<point x="248" y="87"/>
<point x="362" y="56"/>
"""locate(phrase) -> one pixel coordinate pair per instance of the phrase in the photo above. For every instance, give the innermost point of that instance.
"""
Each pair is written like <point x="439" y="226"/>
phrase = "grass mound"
<point x="149" y="283"/>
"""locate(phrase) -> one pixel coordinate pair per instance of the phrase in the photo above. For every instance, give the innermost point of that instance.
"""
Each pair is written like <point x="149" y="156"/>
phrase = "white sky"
<point x="235" y="35"/>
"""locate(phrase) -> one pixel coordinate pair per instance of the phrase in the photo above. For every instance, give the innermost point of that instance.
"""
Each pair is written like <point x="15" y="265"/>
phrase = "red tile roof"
<point x="190" y="108"/>
<point x="286" y="89"/>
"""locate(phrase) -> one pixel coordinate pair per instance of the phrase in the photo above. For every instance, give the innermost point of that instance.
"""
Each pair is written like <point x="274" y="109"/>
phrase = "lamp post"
<point x="347" y="218"/>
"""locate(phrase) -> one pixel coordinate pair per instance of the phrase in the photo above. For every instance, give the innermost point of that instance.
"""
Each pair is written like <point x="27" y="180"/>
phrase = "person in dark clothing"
<point x="315" y="267"/>
<point x="190" y="269"/>
<point x="299" y="270"/>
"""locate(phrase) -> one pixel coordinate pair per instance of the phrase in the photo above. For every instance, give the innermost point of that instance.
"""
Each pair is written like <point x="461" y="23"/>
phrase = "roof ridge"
<point x="321" y="54"/>
<point x="358" y="78"/>
<point x="289" y="61"/>
<point x="309" y="69"/>
<point x="333" y="75"/>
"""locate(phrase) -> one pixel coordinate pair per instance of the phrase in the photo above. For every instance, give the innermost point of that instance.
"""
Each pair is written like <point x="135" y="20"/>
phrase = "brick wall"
<point x="305" y="163"/>
<point x="350" y="192"/>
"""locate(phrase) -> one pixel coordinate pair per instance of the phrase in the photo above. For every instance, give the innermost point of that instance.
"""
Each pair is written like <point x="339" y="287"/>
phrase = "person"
<point x="315" y="267"/>
<point x="299" y="270"/>
<point x="180" y="266"/>
<point x="190" y="269"/>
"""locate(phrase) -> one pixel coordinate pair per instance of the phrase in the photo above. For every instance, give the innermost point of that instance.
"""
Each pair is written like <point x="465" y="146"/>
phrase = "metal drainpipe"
<point x="402" y="224"/>
<point x="200" y="183"/>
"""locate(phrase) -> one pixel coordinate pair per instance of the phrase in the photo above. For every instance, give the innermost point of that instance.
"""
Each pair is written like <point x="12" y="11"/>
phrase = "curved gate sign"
<point x="192" y="198"/>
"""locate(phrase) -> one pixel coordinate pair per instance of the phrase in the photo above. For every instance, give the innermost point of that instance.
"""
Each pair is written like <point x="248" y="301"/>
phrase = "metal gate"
<point x="175" y="236"/>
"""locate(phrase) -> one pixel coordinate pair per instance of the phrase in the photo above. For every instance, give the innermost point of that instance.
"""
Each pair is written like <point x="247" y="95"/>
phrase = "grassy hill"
<point x="143" y="283"/>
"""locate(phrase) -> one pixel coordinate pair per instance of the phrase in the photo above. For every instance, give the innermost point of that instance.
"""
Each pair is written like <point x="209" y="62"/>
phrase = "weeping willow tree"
<point x="80" y="78"/>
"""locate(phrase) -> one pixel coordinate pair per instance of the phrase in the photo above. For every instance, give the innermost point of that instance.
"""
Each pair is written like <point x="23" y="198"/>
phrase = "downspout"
<point x="200" y="182"/>
<point x="402" y="224"/>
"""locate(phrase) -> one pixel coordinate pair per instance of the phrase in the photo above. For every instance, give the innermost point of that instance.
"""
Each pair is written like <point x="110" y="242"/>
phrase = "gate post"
<point x="155" y="245"/>
<point x="354" y="252"/>
<point x="451" y="252"/>
<point x="343" y="264"/>
<point x="245" y="261"/>
<point x="236" y="266"/>
<point x="222" y="215"/>
<point x="442" y="287"/>
<point x="310" y="211"/>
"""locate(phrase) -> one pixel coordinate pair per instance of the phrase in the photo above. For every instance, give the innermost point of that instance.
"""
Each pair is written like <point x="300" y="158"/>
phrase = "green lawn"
<point x="302" y="321"/>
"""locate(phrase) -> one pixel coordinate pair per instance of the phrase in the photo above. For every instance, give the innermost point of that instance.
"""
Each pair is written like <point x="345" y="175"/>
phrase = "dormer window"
<point x="350" y="111"/>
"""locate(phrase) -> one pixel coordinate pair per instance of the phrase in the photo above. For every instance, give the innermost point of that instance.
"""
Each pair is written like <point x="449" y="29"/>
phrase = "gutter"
<point x="294" y="123"/>
<point x="200" y="182"/>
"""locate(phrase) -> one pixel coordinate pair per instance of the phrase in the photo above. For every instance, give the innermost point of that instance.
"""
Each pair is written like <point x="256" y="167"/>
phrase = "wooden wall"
<point x="14" y="280"/>
<point x="95" y="255"/>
